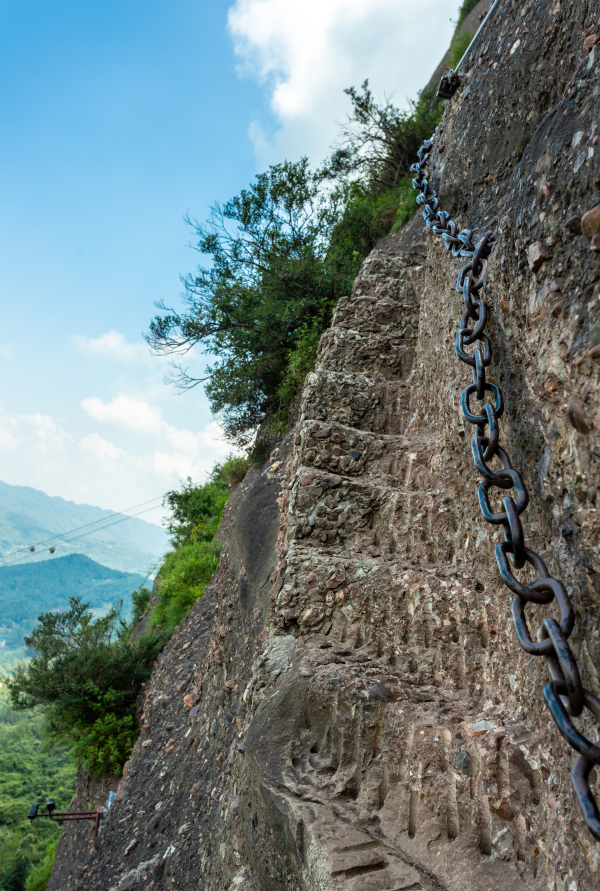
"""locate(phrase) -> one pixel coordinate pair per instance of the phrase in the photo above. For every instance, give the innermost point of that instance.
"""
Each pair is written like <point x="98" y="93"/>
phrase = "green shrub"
<point x="105" y="745"/>
<point x="140" y="598"/>
<point x="459" y="48"/>
<point x="235" y="468"/>
<point x="85" y="676"/>
<point x="182" y="578"/>
<point x="280" y="255"/>
<point x="39" y="876"/>
<point x="300" y="363"/>
<point x="407" y="206"/>
<point x="266" y="276"/>
<point x="197" y="508"/>
<point x="465" y="9"/>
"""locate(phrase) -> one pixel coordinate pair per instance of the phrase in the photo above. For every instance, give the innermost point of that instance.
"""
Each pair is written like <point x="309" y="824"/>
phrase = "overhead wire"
<point x="95" y="526"/>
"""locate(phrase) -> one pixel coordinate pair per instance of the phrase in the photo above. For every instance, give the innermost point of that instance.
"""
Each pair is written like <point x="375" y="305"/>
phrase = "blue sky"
<point x="117" y="118"/>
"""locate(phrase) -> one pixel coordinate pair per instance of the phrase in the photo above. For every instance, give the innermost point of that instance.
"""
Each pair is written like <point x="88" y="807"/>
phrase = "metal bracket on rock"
<point x="450" y="82"/>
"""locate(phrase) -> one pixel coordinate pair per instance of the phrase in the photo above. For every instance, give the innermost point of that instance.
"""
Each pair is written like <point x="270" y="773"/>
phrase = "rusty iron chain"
<point x="565" y="695"/>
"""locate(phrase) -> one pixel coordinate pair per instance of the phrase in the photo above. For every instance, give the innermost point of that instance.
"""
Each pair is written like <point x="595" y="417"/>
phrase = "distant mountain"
<point x="34" y="588"/>
<point x="28" y="516"/>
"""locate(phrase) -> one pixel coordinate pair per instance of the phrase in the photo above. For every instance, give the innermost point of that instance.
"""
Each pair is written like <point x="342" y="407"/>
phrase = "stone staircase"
<point x="383" y="745"/>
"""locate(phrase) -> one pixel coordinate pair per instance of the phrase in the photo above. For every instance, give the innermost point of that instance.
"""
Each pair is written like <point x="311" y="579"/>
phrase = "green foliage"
<point x="39" y="876"/>
<point x="32" y="767"/>
<point x="377" y="146"/>
<point x="234" y="469"/>
<point x="407" y="206"/>
<point x="459" y="48"/>
<point x="140" y="598"/>
<point x="378" y="143"/>
<point x="182" y="579"/>
<point x="196" y="512"/>
<point x="105" y="745"/>
<point x="300" y="363"/>
<point x="84" y="677"/>
<point x="465" y="9"/>
<point x="280" y="255"/>
<point x="196" y="508"/>
<point x="266" y="277"/>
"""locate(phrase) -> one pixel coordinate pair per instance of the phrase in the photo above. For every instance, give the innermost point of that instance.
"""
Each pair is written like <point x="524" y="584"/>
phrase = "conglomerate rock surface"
<point x="347" y="706"/>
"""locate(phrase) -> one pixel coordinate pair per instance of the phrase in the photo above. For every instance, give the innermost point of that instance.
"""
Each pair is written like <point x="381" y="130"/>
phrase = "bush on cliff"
<point x="267" y="276"/>
<point x="182" y="579"/>
<point x="281" y="254"/>
<point x="196" y="508"/>
<point x="376" y="147"/>
<point x="196" y="511"/>
<point x="84" y="677"/>
<point x="459" y="48"/>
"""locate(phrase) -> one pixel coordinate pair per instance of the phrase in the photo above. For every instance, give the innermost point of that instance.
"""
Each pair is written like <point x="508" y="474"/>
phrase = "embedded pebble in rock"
<point x="590" y="222"/>
<point x="536" y="255"/>
<point x="360" y="565"/>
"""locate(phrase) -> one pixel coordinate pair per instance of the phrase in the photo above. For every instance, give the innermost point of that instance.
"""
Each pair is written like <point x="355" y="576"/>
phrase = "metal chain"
<point x="565" y="694"/>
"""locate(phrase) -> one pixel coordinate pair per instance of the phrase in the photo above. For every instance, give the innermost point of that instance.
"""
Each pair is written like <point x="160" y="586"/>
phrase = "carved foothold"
<point x="452" y="824"/>
<point x="485" y="826"/>
<point x="474" y="767"/>
<point x="503" y="774"/>
<point x="520" y="836"/>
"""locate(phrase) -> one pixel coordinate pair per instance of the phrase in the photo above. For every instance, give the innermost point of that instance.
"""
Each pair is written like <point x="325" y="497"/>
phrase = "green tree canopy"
<point x="267" y="279"/>
<point x="378" y="143"/>
<point x="85" y="676"/>
<point x="280" y="255"/>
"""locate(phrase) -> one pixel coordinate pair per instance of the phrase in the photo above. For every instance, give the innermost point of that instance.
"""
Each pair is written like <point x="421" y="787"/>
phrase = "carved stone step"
<point x="353" y="453"/>
<point x="378" y="315"/>
<point x="312" y="584"/>
<point x="395" y="877"/>
<point x="357" y="862"/>
<point x="333" y="510"/>
<point x="356" y="400"/>
<point x="386" y="357"/>
<point x="397" y="276"/>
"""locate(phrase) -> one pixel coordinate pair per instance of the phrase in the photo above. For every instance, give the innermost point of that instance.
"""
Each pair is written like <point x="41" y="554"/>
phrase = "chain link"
<point x="565" y="695"/>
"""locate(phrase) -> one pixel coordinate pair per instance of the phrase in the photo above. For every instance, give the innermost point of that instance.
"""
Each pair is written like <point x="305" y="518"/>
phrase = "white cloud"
<point x="42" y="430"/>
<point x="181" y="452"/>
<point x="100" y="448"/>
<point x="113" y="345"/>
<point x="125" y="469"/>
<point x="127" y="412"/>
<point x="305" y="54"/>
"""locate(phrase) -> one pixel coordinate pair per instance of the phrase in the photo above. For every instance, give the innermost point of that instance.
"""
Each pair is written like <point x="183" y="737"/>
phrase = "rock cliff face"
<point x="347" y="706"/>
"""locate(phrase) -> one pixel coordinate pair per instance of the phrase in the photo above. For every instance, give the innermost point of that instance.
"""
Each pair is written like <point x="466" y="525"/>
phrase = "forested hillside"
<point x="32" y="767"/>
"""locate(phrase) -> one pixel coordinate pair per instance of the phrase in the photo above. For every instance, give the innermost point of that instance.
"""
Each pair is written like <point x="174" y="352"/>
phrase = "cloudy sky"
<point x="117" y="119"/>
